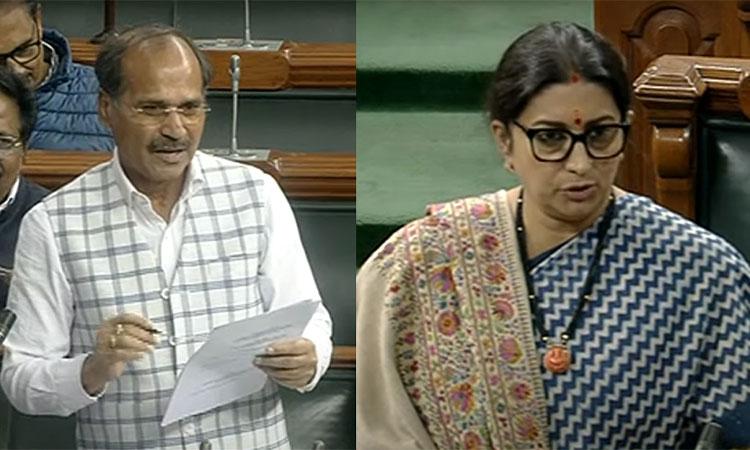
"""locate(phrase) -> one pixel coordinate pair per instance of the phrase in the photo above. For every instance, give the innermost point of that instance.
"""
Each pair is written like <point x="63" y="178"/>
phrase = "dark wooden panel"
<point x="296" y="65"/>
<point x="344" y="357"/>
<point x="671" y="90"/>
<point x="303" y="176"/>
<point x="645" y="30"/>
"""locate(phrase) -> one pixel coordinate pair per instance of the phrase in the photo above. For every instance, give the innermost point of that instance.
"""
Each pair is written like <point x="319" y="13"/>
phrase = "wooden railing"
<point x="302" y="176"/>
<point x="344" y="357"/>
<point x="295" y="65"/>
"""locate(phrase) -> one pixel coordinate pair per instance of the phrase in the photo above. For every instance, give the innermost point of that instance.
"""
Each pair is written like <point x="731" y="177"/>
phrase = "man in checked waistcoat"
<point x="161" y="237"/>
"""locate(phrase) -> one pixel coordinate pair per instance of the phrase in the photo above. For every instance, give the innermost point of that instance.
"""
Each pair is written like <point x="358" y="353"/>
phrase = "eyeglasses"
<point x="556" y="144"/>
<point x="157" y="114"/>
<point x="8" y="145"/>
<point x="25" y="53"/>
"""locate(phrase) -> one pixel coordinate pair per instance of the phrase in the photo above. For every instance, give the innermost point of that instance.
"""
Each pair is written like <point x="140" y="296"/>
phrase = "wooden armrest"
<point x="344" y="357"/>
<point x="295" y="65"/>
<point x="302" y="176"/>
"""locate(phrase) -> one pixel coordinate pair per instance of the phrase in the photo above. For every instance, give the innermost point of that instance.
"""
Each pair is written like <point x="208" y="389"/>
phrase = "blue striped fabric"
<point x="663" y="347"/>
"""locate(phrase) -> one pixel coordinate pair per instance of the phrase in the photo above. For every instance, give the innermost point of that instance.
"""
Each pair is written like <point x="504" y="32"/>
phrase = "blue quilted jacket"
<point x="67" y="105"/>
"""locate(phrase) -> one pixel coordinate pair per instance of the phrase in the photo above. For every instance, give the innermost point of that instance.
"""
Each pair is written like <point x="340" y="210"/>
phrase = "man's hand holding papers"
<point x="222" y="370"/>
<point x="289" y="362"/>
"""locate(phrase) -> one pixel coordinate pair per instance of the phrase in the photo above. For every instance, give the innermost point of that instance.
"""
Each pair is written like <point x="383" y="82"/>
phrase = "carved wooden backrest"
<point x="673" y="90"/>
<point x="645" y="30"/>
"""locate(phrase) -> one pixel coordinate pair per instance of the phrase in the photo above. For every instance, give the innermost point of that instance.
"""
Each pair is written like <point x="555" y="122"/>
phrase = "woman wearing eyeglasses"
<point x="565" y="312"/>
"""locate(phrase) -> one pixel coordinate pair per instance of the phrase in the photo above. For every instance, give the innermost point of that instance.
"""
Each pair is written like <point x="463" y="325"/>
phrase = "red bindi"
<point x="577" y="117"/>
<point x="575" y="78"/>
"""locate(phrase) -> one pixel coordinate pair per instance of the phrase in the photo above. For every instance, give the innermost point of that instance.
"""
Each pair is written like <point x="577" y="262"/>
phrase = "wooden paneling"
<point x="344" y="357"/>
<point x="645" y="30"/>
<point x="671" y="90"/>
<point x="296" y="65"/>
<point x="303" y="176"/>
<point x="321" y="65"/>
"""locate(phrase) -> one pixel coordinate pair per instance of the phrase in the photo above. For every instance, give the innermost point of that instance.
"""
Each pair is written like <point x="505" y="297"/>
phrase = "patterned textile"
<point x="664" y="346"/>
<point x="470" y="366"/>
<point x="661" y="350"/>
<point x="112" y="270"/>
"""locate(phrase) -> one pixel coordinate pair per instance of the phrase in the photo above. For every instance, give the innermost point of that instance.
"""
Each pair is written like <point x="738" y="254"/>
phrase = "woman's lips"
<point x="579" y="192"/>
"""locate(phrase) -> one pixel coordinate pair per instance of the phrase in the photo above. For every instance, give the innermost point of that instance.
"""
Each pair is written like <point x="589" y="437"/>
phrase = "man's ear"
<point x="501" y="135"/>
<point x="105" y="108"/>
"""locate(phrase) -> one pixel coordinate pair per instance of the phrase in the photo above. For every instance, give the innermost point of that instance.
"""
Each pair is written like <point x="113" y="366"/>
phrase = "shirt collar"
<point x="11" y="195"/>
<point x="193" y="182"/>
<point x="53" y="63"/>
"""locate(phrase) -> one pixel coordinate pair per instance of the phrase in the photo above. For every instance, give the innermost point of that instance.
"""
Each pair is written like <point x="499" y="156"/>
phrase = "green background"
<point x="422" y="70"/>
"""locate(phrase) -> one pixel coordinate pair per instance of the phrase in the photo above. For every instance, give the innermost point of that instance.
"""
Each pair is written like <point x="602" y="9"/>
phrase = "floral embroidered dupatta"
<point x="445" y="346"/>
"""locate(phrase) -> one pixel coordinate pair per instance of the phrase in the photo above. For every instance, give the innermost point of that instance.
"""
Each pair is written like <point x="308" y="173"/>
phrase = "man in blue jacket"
<point x="66" y="92"/>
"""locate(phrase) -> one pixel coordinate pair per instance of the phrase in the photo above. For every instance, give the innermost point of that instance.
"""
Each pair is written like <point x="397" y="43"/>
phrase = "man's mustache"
<point x="164" y="145"/>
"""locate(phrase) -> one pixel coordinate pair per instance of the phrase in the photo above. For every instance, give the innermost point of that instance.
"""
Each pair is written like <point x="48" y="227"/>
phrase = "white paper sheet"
<point x="222" y="370"/>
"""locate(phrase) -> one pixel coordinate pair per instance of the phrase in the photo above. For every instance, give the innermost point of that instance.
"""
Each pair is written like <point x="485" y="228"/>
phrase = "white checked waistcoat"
<point x="111" y="270"/>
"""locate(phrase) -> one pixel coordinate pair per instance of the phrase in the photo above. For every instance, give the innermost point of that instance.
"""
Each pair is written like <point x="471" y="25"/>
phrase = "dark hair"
<point x="552" y="53"/>
<point x="20" y="92"/>
<point x="109" y="62"/>
<point x="31" y="5"/>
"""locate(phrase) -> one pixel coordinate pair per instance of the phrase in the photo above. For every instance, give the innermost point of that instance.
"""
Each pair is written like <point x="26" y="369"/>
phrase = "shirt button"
<point x="164" y="294"/>
<point x="205" y="445"/>
<point x="188" y="429"/>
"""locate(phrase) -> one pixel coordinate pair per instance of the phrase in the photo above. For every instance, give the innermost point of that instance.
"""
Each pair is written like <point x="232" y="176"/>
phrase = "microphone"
<point x="234" y="69"/>
<point x="235" y="72"/>
<point x="7" y="318"/>
<point x="247" y="41"/>
<point x="710" y="437"/>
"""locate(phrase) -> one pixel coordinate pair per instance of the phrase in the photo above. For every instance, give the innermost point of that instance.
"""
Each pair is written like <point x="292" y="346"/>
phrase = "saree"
<point x="447" y="356"/>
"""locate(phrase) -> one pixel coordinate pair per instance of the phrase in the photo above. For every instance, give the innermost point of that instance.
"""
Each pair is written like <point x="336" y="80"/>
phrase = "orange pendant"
<point x="557" y="359"/>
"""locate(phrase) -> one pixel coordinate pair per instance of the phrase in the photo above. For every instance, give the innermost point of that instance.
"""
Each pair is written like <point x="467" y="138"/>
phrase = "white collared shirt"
<point x="11" y="195"/>
<point x="284" y="276"/>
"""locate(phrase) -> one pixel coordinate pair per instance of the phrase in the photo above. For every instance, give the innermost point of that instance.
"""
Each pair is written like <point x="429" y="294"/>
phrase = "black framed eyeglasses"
<point x="24" y="54"/>
<point x="556" y="144"/>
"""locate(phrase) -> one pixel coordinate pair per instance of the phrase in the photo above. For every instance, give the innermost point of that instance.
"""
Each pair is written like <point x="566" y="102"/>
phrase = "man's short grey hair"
<point x="109" y="62"/>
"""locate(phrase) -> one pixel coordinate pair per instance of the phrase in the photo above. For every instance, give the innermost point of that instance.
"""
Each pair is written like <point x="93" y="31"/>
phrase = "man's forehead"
<point x="151" y="69"/>
<point x="166" y="46"/>
<point x="16" y="26"/>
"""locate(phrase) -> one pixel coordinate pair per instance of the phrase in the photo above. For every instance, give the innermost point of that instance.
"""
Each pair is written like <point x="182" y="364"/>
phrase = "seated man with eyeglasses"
<point x="66" y="92"/>
<point x="17" y="194"/>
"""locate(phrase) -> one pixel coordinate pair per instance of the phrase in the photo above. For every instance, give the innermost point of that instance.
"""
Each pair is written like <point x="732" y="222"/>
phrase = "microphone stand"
<point x="234" y="152"/>
<point x="109" y="23"/>
<point x="235" y="71"/>
<point x="246" y="43"/>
